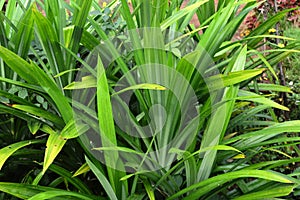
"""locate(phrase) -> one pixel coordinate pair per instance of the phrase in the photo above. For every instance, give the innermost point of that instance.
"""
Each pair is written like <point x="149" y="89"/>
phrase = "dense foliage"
<point x="129" y="100"/>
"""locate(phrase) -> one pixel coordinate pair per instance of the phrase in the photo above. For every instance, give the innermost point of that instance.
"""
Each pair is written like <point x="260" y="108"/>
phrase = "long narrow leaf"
<point x="211" y="183"/>
<point x="6" y="152"/>
<point x="270" y="193"/>
<point x="103" y="180"/>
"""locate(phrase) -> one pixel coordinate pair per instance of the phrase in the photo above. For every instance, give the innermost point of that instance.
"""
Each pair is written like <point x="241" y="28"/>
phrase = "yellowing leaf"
<point x="54" y="145"/>
<point x="239" y="156"/>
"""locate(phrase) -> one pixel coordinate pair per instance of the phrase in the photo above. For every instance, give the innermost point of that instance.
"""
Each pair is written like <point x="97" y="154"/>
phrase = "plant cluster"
<point x="133" y="102"/>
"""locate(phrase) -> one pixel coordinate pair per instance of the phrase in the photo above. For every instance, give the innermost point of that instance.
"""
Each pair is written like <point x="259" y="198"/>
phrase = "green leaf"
<point x="65" y="72"/>
<point x="17" y="64"/>
<point x="181" y="13"/>
<point x="41" y="113"/>
<point x="107" y="127"/>
<point x="189" y="156"/>
<point x="34" y="126"/>
<point x="55" y="194"/>
<point x="22" y="84"/>
<point x="281" y="191"/>
<point x="6" y="152"/>
<point x="263" y="59"/>
<point x="232" y="78"/>
<point x="216" y="33"/>
<point x="191" y="169"/>
<point x="14" y="98"/>
<point x="50" y="43"/>
<point x="264" y="27"/>
<point x="227" y="49"/>
<point x="81" y="13"/>
<point x="2" y="3"/>
<point x="33" y="74"/>
<point x="105" y="115"/>
<point x="119" y="149"/>
<point x="15" y="112"/>
<point x="131" y="175"/>
<point x="103" y="180"/>
<point x="73" y="130"/>
<point x="250" y="96"/>
<point x="203" y="187"/>
<point x="26" y="191"/>
<point x="217" y="147"/>
<point x="289" y="126"/>
<point x="56" y="141"/>
<point x="75" y="181"/>
<point x="79" y="18"/>
<point x="149" y="189"/>
<point x="86" y="82"/>
<point x="271" y="87"/>
<point x="219" y="120"/>
<point x="23" y="37"/>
